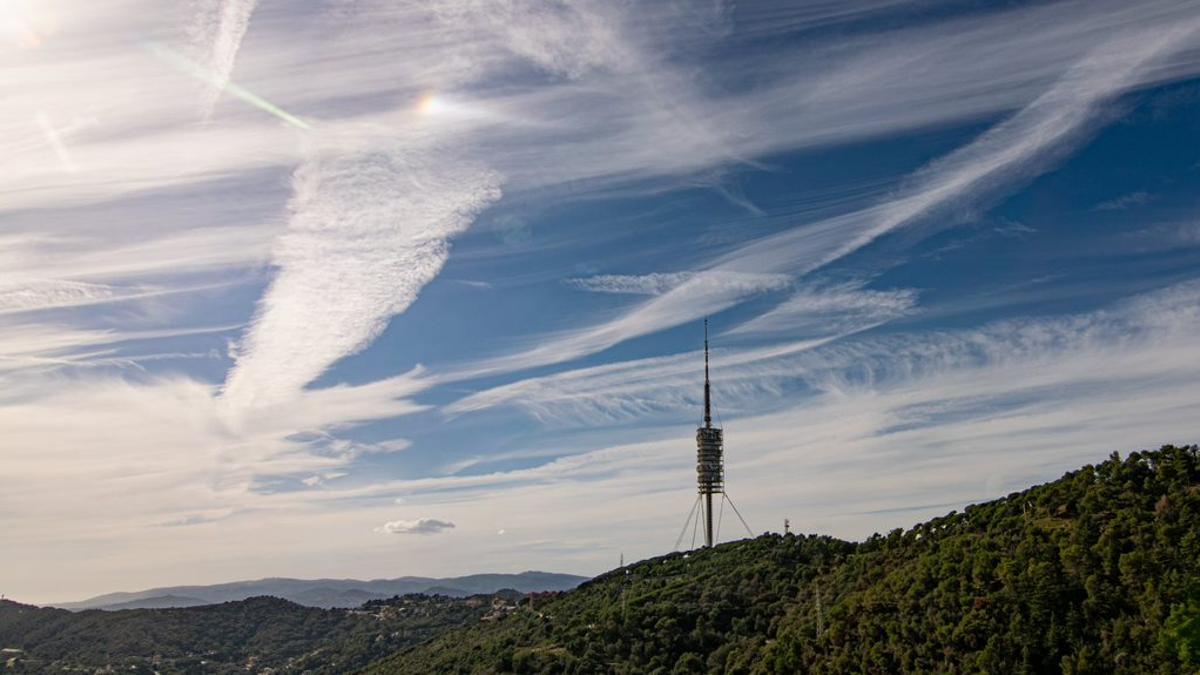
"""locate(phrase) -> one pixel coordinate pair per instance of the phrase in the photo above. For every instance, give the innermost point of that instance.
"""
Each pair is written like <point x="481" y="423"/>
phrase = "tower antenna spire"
<point x="707" y="387"/>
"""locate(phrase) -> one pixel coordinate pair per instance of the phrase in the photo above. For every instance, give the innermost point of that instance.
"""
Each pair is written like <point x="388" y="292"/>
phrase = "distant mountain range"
<point x="328" y="593"/>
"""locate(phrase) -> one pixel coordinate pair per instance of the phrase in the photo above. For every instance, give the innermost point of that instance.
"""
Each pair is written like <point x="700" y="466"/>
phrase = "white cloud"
<point x="419" y="526"/>
<point x="370" y="227"/>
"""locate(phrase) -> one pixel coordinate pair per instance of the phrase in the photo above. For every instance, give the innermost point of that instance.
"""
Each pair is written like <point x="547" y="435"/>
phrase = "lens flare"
<point x="204" y="75"/>
<point x="430" y="104"/>
<point x="19" y="25"/>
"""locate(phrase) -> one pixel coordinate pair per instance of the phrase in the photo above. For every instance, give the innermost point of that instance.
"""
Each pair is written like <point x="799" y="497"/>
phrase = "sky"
<point x="366" y="288"/>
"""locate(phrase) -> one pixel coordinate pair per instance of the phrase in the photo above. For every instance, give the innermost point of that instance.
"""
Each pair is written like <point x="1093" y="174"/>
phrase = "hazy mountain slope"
<point x="158" y="602"/>
<point x="1098" y="571"/>
<point x="337" y="592"/>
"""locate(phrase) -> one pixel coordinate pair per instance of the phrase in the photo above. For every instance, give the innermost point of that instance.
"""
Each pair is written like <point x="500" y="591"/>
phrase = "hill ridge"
<point x="1097" y="571"/>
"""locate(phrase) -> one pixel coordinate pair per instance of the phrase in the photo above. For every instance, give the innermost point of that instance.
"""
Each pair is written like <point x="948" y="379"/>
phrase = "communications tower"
<point x="710" y="468"/>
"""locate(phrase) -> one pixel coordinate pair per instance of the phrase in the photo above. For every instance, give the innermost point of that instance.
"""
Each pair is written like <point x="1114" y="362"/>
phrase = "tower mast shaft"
<point x="708" y="515"/>
<point x="708" y="520"/>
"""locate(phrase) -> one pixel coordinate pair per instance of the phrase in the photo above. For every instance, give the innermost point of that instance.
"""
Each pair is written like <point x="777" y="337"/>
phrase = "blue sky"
<point x="286" y="288"/>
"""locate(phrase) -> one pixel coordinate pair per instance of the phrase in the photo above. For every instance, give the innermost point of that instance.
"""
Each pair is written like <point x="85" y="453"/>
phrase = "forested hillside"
<point x="1096" y="572"/>
<point x="255" y="635"/>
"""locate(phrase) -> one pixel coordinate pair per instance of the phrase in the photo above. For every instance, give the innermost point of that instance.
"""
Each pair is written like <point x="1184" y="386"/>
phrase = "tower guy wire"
<point x="687" y="522"/>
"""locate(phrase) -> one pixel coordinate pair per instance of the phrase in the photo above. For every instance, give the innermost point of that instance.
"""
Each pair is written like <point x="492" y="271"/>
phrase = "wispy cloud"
<point x="474" y="283"/>
<point x="41" y="347"/>
<point x="1125" y="202"/>
<point x="1014" y="150"/>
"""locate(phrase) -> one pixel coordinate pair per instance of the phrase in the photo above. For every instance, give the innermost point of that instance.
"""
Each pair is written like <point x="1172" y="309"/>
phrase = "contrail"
<point x="54" y="139"/>
<point x="232" y="20"/>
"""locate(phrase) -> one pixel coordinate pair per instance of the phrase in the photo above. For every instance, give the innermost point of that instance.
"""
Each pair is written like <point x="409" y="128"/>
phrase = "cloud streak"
<point x="52" y="293"/>
<point x="823" y="309"/>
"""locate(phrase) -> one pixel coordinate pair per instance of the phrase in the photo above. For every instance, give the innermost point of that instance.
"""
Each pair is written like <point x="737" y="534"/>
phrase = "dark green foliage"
<point x="1094" y="573"/>
<point x="671" y="614"/>
<point x="248" y="635"/>
<point x="1182" y="634"/>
